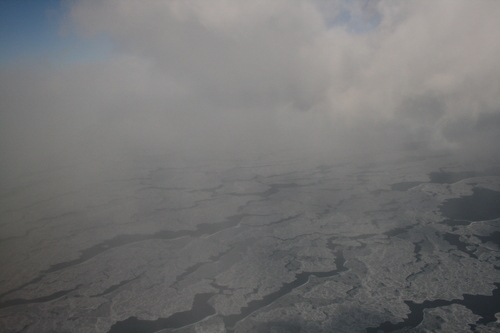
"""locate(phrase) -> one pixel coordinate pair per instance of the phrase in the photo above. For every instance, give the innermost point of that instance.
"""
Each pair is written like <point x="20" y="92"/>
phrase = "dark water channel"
<point x="201" y="308"/>
<point x="300" y="279"/>
<point x="484" y="306"/>
<point x="87" y="254"/>
<point x="482" y="205"/>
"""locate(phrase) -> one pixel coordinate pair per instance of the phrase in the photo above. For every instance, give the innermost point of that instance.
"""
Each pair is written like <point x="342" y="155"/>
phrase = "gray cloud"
<point x="245" y="76"/>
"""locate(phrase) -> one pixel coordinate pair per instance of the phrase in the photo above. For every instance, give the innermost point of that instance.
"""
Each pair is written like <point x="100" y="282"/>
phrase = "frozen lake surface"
<point x="402" y="243"/>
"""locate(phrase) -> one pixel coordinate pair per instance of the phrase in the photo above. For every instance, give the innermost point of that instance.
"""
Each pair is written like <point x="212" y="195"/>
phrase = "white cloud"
<point x="250" y="75"/>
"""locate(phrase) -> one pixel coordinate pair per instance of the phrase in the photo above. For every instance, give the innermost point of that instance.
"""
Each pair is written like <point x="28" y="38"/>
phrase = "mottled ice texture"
<point x="281" y="245"/>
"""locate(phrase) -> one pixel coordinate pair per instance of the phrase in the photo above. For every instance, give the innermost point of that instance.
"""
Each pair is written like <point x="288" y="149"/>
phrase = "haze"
<point x="247" y="76"/>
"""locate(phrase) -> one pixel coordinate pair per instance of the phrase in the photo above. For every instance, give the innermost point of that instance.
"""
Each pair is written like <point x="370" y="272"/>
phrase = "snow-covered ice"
<point x="267" y="245"/>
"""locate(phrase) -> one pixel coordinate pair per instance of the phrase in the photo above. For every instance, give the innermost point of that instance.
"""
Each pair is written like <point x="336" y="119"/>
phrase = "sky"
<point x="87" y="79"/>
<point x="37" y="31"/>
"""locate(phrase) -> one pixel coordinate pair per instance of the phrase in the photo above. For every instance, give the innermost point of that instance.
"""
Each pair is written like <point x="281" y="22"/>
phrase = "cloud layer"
<point x="246" y="76"/>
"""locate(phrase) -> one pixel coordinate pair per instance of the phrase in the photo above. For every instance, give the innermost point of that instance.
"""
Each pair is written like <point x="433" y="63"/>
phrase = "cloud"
<point x="241" y="76"/>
